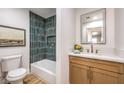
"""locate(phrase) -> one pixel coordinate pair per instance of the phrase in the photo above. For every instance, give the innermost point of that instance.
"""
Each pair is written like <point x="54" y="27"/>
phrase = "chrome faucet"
<point x="91" y="47"/>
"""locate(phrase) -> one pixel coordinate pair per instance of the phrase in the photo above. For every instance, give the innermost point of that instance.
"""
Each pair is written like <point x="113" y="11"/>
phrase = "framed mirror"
<point x="93" y="27"/>
<point x="11" y="36"/>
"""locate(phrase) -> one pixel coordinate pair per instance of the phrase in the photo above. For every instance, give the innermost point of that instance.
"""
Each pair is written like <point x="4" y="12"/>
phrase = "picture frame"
<point x="12" y="36"/>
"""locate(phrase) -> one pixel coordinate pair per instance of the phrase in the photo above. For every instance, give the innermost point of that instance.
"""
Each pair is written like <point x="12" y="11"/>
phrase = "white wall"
<point x="16" y="18"/>
<point x="110" y="29"/>
<point x="119" y="25"/>
<point x="65" y="41"/>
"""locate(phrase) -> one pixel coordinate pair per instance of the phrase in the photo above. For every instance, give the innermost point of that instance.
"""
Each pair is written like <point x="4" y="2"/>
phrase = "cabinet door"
<point x="99" y="76"/>
<point x="79" y="74"/>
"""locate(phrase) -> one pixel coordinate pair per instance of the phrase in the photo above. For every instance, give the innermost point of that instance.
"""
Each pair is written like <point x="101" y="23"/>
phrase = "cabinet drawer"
<point x="101" y="64"/>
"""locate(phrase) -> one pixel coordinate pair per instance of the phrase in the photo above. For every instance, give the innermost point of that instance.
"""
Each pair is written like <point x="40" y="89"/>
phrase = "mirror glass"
<point x="93" y="27"/>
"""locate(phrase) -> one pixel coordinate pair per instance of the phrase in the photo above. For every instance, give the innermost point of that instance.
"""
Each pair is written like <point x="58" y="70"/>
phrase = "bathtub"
<point x="45" y="69"/>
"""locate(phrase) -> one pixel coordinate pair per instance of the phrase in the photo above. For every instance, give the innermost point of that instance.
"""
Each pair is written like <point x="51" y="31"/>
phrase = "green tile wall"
<point x="50" y="27"/>
<point x="42" y="38"/>
<point x="37" y="38"/>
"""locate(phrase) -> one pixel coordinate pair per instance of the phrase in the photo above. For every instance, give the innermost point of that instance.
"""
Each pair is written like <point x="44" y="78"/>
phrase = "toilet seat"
<point x="16" y="74"/>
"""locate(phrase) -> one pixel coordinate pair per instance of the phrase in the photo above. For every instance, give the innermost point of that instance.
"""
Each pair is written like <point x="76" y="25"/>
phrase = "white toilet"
<point x="11" y="65"/>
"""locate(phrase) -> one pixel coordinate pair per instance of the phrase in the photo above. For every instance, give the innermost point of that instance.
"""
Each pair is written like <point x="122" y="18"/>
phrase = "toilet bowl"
<point x="16" y="76"/>
<point x="12" y="67"/>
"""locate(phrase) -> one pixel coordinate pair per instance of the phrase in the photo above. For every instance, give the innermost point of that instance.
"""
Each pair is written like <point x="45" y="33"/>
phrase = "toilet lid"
<point x="17" y="72"/>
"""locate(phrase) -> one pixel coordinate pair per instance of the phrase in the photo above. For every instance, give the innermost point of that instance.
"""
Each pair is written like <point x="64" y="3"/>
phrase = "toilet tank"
<point x="11" y="62"/>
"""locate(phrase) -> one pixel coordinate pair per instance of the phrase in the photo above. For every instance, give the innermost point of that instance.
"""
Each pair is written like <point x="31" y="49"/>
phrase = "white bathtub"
<point x="45" y="69"/>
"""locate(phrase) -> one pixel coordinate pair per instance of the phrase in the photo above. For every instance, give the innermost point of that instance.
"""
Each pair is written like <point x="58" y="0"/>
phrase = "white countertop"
<point x="113" y="58"/>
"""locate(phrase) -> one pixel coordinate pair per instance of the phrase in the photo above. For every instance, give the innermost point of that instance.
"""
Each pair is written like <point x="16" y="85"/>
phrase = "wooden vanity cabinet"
<point x="91" y="71"/>
<point x="99" y="76"/>
<point x="79" y="74"/>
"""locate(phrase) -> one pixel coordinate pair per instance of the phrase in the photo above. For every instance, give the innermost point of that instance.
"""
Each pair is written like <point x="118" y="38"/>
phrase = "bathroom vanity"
<point x="92" y="67"/>
<point x="96" y="69"/>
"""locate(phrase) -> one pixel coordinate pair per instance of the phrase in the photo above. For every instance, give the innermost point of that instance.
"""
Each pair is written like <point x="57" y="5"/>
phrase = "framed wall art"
<point x="11" y="36"/>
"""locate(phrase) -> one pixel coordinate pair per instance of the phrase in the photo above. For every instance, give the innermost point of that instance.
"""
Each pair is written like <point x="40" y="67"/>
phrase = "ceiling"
<point x="44" y="12"/>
